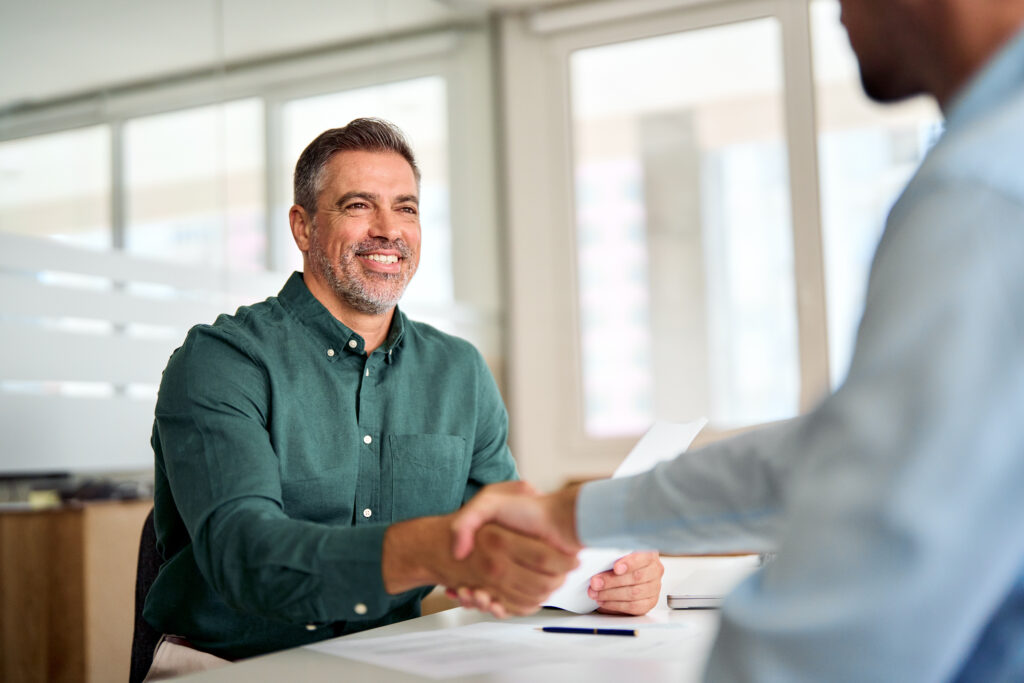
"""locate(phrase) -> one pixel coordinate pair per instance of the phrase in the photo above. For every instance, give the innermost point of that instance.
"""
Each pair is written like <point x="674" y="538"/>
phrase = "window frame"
<point x="545" y="382"/>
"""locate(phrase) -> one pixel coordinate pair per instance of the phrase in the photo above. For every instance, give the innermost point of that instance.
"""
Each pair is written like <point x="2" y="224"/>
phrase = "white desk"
<point x="302" y="664"/>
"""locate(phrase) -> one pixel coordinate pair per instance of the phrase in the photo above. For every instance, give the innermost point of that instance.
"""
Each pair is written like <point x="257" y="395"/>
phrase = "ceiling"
<point x="53" y="49"/>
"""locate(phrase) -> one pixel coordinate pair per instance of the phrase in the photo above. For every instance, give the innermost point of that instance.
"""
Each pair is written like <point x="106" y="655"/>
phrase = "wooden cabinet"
<point x="67" y="591"/>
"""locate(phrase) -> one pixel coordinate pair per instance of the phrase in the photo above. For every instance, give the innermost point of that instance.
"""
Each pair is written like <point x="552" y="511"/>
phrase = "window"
<point x="58" y="186"/>
<point x="866" y="154"/>
<point x="194" y="184"/>
<point x="683" y="238"/>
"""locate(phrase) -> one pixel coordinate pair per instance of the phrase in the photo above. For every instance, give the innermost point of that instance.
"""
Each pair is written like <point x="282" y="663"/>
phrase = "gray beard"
<point x="353" y="291"/>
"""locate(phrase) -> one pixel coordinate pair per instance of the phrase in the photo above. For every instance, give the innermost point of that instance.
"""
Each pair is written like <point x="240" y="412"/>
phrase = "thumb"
<point x="474" y="515"/>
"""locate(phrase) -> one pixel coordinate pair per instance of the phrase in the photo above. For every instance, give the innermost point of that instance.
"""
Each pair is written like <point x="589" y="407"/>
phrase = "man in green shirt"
<point x="311" y="448"/>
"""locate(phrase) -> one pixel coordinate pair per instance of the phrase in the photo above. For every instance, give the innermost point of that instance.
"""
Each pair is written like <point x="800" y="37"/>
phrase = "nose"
<point x="385" y="224"/>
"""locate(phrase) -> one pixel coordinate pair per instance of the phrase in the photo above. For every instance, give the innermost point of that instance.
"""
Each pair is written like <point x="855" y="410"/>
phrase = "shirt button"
<point x="330" y="353"/>
<point x="367" y="439"/>
<point x="352" y="343"/>
<point x="360" y="608"/>
<point x="310" y="627"/>
<point x="367" y="512"/>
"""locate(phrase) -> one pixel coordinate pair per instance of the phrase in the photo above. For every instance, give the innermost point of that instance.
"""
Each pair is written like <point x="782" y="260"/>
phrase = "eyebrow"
<point x="356" y="194"/>
<point x="373" y="197"/>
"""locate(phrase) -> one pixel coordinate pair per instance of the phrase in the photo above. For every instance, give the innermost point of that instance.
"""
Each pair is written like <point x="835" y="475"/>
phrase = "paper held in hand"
<point x="663" y="441"/>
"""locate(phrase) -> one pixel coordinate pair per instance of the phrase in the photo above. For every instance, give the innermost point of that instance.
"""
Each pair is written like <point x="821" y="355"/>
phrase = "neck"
<point x="373" y="328"/>
<point x="978" y="36"/>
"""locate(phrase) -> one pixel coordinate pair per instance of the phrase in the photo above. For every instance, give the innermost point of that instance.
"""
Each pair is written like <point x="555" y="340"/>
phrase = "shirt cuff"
<point x="351" y="575"/>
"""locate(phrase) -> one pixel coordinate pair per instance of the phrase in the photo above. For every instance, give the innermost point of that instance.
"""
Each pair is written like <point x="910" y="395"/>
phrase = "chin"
<point x="886" y="88"/>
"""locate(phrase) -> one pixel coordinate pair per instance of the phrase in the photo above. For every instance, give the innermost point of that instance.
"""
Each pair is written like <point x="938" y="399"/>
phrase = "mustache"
<point x="379" y="243"/>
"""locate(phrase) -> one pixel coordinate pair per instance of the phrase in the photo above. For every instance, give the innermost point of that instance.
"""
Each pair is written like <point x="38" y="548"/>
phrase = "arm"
<point x="897" y="541"/>
<point x="515" y="571"/>
<point x="492" y="461"/>
<point x="732" y="493"/>
<point x="212" y="440"/>
<point x="223" y="480"/>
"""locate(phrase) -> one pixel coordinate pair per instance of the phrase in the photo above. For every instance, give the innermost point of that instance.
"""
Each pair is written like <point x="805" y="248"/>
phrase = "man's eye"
<point x="356" y="206"/>
<point x="409" y="209"/>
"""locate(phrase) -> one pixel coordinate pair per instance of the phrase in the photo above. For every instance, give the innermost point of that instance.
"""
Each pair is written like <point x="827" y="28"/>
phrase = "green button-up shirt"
<point x="283" y="452"/>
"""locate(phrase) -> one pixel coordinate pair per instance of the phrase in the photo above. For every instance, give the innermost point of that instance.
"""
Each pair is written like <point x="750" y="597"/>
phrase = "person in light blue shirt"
<point x="896" y="507"/>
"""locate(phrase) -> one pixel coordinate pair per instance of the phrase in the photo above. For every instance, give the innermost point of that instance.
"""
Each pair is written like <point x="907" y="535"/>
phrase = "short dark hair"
<point x="364" y="135"/>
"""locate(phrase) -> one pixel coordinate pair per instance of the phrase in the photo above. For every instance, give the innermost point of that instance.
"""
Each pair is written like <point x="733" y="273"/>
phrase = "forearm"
<point x="297" y="571"/>
<point x="725" y="497"/>
<point x="561" y="510"/>
<point x="414" y="552"/>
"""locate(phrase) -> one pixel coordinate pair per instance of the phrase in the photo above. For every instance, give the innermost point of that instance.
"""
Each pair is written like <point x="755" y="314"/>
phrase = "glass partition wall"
<point x="179" y="187"/>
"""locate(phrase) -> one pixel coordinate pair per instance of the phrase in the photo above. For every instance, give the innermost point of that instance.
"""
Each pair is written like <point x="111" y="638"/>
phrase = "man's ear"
<point x="302" y="227"/>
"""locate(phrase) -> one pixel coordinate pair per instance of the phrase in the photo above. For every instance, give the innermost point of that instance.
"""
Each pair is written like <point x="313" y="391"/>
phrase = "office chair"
<point x="145" y="637"/>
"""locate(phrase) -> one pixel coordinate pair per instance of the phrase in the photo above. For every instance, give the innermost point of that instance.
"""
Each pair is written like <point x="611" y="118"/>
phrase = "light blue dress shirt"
<point x="896" y="506"/>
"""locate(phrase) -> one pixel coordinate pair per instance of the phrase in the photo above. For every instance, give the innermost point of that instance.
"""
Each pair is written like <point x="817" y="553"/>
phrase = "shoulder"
<point x="238" y="335"/>
<point x="967" y="198"/>
<point x="985" y="152"/>
<point x="428" y="339"/>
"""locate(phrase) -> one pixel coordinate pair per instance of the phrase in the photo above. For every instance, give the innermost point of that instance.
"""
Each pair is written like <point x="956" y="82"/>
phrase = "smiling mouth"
<point x="381" y="258"/>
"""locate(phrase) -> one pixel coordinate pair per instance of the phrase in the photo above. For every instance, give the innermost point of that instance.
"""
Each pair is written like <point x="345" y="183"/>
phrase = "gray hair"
<point x="363" y="135"/>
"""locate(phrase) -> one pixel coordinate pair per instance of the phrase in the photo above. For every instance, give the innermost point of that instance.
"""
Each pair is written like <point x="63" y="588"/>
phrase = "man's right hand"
<point x="516" y="571"/>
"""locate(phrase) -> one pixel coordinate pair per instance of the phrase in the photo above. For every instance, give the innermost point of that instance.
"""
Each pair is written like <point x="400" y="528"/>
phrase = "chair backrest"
<point x="145" y="638"/>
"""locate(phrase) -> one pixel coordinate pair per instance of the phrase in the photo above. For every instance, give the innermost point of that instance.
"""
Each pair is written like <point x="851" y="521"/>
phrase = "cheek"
<point x="412" y="237"/>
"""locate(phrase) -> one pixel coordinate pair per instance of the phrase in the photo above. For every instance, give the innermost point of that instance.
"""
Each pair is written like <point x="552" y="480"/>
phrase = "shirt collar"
<point x="296" y="297"/>
<point x="1002" y="75"/>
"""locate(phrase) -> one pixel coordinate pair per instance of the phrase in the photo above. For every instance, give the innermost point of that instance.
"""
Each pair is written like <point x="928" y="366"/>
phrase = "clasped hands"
<point x="534" y="538"/>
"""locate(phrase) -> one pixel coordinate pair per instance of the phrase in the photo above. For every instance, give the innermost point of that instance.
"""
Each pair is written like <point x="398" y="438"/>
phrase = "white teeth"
<point x="381" y="258"/>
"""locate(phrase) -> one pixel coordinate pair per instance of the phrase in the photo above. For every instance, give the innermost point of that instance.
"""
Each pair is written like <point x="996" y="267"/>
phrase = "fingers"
<point x="631" y="609"/>
<point x="521" y="571"/>
<point x="473" y="515"/>
<point x="515" y="488"/>
<point x="550" y="518"/>
<point x="632" y="586"/>
<point x="516" y="572"/>
<point x="530" y="553"/>
<point x="478" y="599"/>
<point x="632" y="569"/>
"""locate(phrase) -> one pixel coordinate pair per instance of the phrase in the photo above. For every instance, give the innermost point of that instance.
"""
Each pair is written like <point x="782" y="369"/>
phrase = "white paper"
<point x="437" y="654"/>
<point x="663" y="441"/>
<point x="484" y="647"/>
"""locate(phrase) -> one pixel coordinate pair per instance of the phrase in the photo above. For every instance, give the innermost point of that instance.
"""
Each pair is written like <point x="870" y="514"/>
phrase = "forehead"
<point x="383" y="173"/>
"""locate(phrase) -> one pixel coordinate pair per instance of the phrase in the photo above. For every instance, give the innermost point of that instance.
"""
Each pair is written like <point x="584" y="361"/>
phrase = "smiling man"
<point x="310" y="449"/>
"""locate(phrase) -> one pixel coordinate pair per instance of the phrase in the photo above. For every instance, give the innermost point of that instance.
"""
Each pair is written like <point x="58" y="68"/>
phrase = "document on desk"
<point x="489" y="646"/>
<point x="663" y="441"/>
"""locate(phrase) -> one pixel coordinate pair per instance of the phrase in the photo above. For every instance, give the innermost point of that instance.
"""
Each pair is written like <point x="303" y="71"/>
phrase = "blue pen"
<point x="590" y="631"/>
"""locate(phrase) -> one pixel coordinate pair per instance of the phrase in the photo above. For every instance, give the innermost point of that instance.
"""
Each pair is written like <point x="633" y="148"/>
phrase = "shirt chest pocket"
<point x="428" y="473"/>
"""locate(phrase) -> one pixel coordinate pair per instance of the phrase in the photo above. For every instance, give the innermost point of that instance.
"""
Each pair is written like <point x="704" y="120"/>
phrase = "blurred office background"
<point x="637" y="209"/>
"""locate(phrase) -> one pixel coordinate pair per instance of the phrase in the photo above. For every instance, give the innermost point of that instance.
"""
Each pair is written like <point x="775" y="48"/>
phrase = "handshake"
<point x="507" y="550"/>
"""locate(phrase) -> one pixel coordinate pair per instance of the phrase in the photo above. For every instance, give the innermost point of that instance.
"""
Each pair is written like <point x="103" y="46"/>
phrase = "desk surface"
<point x="701" y="626"/>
